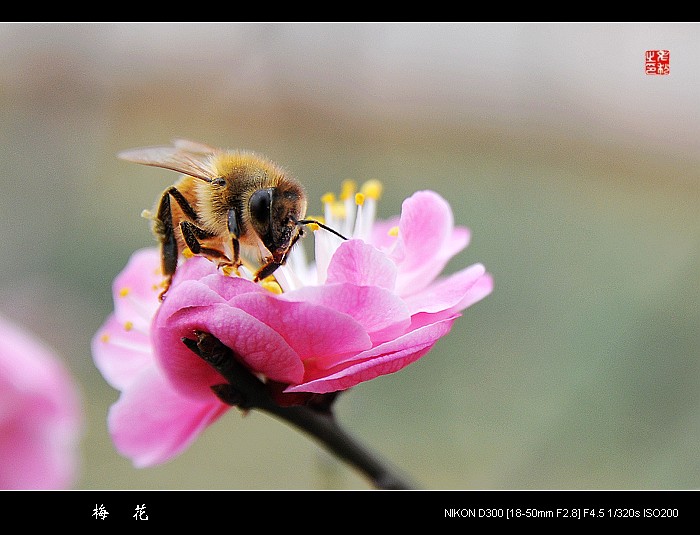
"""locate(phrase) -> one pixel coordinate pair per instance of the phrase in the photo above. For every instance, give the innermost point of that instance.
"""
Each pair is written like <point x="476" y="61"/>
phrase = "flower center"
<point x="351" y="214"/>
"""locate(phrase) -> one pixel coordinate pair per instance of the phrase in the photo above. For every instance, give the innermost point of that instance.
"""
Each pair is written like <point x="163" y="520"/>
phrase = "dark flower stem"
<point x="325" y="428"/>
<point x="247" y="392"/>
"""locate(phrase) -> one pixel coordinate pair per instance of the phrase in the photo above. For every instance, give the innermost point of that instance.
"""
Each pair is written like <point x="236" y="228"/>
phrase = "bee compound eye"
<point x="259" y="205"/>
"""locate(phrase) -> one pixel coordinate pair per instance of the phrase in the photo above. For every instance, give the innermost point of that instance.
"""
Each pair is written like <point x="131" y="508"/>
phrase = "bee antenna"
<point x="314" y="222"/>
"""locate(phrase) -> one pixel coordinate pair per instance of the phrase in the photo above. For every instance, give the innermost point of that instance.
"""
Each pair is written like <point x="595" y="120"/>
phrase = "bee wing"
<point x="195" y="163"/>
<point x="193" y="146"/>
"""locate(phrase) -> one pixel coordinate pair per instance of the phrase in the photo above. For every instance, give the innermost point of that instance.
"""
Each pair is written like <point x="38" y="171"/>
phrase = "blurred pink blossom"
<point x="40" y="415"/>
<point x="366" y="307"/>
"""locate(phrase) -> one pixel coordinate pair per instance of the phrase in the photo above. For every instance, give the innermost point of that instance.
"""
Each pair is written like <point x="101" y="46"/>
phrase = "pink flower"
<point x="40" y="415"/>
<point x="151" y="422"/>
<point x="367" y="307"/>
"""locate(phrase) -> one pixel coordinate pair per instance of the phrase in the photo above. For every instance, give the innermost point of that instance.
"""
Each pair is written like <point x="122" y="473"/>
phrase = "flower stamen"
<point x="358" y="231"/>
<point x="347" y="189"/>
<point x="372" y="189"/>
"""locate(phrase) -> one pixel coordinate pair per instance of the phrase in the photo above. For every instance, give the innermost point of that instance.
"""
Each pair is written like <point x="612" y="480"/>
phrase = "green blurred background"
<point x="577" y="173"/>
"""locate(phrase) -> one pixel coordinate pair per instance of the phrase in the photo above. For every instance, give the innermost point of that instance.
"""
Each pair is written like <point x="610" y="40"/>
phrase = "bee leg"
<point x="164" y="229"/>
<point x="182" y="202"/>
<point x="192" y="234"/>
<point x="235" y="233"/>
<point x="166" y="233"/>
<point x="269" y="268"/>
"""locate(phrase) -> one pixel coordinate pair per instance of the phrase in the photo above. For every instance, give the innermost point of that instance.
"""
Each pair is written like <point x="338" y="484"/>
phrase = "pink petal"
<point x="480" y="289"/>
<point x="195" y="268"/>
<point x="39" y="450"/>
<point x="231" y="287"/>
<point x="361" y="264"/>
<point x="447" y="293"/>
<point x="381" y="313"/>
<point x="211" y="287"/>
<point x="426" y="223"/>
<point x="427" y="240"/>
<point x="137" y="288"/>
<point x="361" y="372"/>
<point x="205" y="272"/>
<point x="189" y="293"/>
<point x="152" y="422"/>
<point x="260" y="347"/>
<point x="381" y="360"/>
<point x="121" y="353"/>
<point x="381" y="237"/>
<point x="311" y="330"/>
<point x="411" y="280"/>
<point x="40" y="414"/>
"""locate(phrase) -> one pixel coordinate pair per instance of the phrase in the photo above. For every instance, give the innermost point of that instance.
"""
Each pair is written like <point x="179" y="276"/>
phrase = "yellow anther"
<point x="372" y="189"/>
<point x="393" y="231"/>
<point x="348" y="189"/>
<point x="338" y="210"/>
<point x="124" y="291"/>
<point x="328" y="198"/>
<point x="128" y="325"/>
<point x="271" y="285"/>
<point x="187" y="252"/>
<point x="359" y="199"/>
<point x="104" y="338"/>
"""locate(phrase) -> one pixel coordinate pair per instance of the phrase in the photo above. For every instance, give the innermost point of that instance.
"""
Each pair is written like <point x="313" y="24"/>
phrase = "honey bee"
<point x="228" y="205"/>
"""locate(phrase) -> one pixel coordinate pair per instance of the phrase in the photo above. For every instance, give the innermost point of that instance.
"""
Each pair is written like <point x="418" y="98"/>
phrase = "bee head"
<point x="274" y="215"/>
